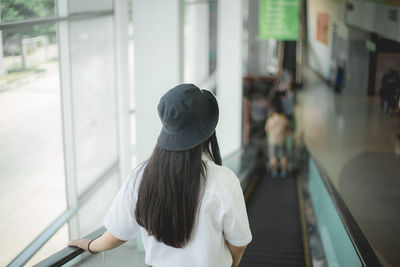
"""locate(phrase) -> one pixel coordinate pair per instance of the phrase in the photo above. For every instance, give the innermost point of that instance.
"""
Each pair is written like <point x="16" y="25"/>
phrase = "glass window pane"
<point x="32" y="192"/>
<point x="11" y="10"/>
<point x="78" y="6"/>
<point x="94" y="97"/>
<point x="91" y="214"/>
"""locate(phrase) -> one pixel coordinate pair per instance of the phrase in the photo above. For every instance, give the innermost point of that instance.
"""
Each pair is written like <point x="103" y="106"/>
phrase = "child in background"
<point x="287" y="101"/>
<point x="277" y="127"/>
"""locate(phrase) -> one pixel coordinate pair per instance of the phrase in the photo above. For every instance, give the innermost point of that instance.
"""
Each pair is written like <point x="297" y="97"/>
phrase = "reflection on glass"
<point x="32" y="192"/>
<point x="11" y="10"/>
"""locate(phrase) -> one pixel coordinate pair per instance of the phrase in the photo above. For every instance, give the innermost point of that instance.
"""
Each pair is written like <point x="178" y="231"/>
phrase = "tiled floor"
<point x="356" y="144"/>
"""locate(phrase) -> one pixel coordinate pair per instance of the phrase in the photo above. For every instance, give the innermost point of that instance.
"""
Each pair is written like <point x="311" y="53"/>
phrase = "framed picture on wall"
<point x="322" y="27"/>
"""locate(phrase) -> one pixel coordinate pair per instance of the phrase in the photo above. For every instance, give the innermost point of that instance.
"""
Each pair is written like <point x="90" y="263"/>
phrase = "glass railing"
<point x="342" y="240"/>
<point x="244" y="163"/>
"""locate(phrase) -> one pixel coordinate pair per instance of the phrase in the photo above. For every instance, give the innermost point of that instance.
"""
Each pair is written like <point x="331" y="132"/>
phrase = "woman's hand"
<point x="80" y="243"/>
<point x="105" y="242"/>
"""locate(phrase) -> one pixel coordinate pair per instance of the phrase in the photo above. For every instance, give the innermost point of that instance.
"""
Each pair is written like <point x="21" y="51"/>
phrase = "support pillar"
<point x="123" y="90"/>
<point x="229" y="75"/>
<point x="252" y="27"/>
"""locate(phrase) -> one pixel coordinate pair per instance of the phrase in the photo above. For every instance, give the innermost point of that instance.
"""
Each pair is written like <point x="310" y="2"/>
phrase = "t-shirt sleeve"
<point x="120" y="220"/>
<point x="235" y="222"/>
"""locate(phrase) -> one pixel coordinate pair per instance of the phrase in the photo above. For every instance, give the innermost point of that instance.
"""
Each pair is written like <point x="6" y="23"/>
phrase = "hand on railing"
<point x="81" y="243"/>
<point x="104" y="242"/>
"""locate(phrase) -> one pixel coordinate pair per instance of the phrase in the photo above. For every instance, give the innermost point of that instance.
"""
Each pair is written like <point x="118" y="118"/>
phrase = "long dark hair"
<point x="171" y="190"/>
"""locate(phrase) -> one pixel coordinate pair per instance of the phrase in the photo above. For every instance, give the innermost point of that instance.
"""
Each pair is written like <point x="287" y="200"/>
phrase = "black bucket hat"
<point x="189" y="116"/>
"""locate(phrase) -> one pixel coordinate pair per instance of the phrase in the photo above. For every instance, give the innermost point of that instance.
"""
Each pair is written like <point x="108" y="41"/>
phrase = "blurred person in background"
<point x="287" y="100"/>
<point x="389" y="91"/>
<point x="277" y="128"/>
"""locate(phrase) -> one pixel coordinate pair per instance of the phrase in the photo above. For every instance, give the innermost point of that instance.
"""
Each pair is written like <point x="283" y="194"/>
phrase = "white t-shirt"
<point x="222" y="216"/>
<point x="277" y="126"/>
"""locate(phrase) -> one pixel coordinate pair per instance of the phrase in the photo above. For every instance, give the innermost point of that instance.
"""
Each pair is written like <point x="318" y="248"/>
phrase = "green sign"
<point x="279" y="19"/>
<point x="371" y="46"/>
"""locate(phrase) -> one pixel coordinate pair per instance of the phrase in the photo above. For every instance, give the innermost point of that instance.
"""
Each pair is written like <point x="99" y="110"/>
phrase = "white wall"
<point x="375" y="18"/>
<point x="156" y="36"/>
<point x="357" y="68"/>
<point x="366" y="16"/>
<point x="318" y="53"/>
<point x="229" y="76"/>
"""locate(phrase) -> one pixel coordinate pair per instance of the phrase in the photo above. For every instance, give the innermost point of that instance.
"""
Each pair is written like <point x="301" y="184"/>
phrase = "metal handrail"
<point x="54" y="19"/>
<point x="361" y="245"/>
<point x="67" y="254"/>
